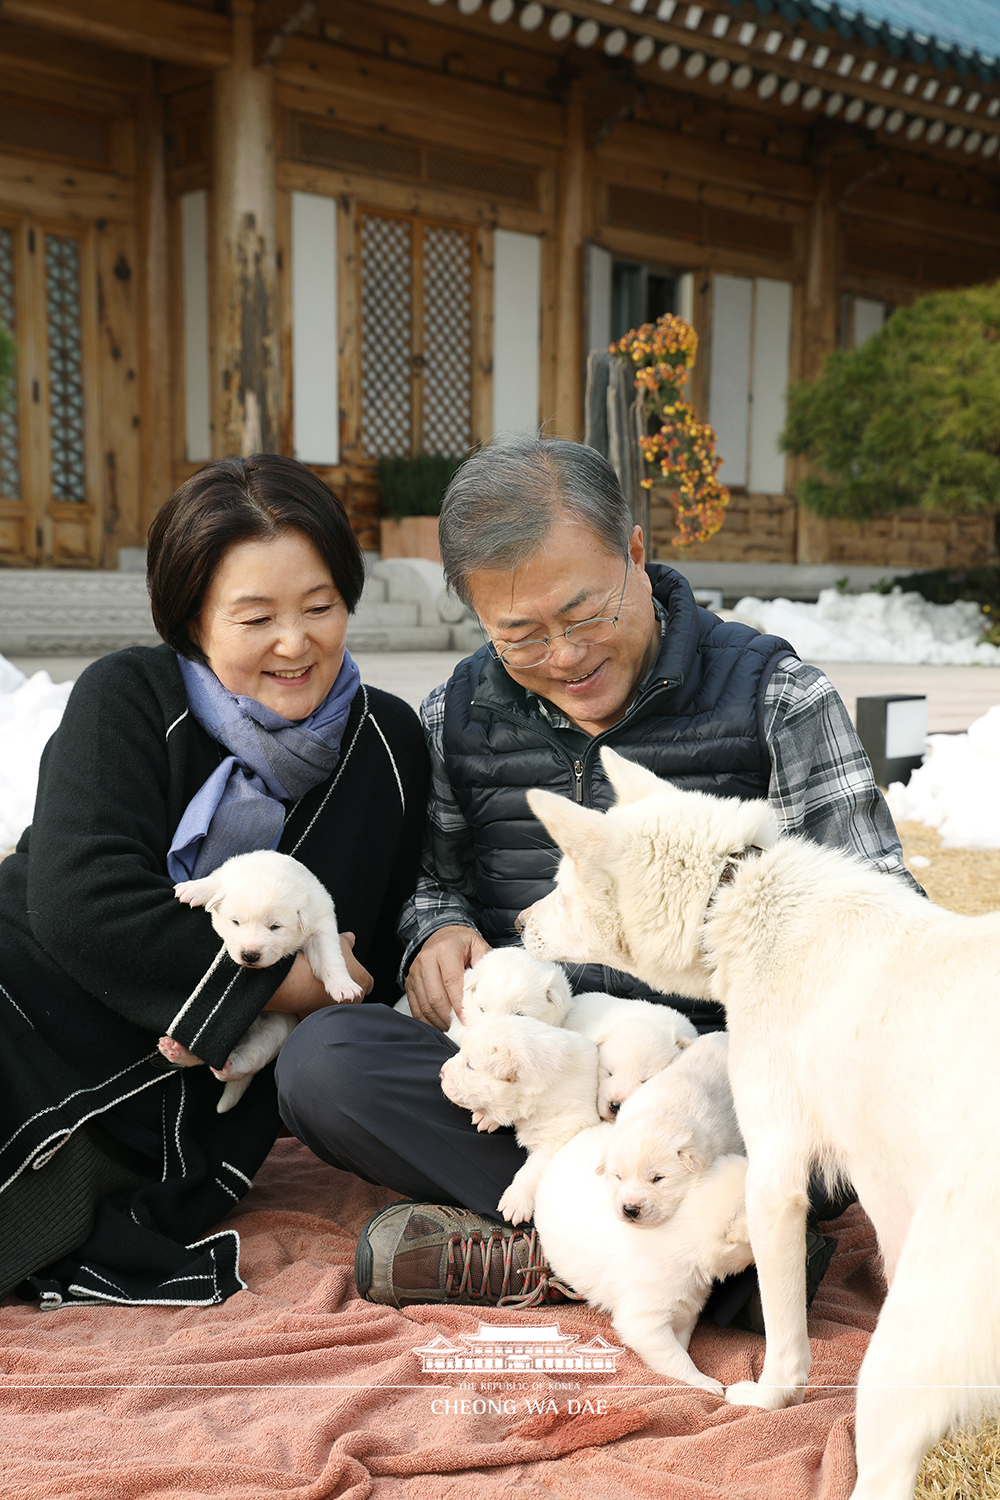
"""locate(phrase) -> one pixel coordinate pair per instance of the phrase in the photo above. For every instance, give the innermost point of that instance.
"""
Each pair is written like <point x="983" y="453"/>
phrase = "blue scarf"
<point x="271" y="761"/>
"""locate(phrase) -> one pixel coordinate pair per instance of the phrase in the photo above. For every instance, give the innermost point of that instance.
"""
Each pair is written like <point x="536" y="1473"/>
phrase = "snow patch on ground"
<point x="30" y="710"/>
<point x="957" y="789"/>
<point x="894" y="627"/>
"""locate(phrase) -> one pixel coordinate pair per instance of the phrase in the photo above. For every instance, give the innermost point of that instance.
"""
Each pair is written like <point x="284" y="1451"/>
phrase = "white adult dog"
<point x="653" y="1281"/>
<point x="670" y="1130"/>
<point x="508" y="982"/>
<point x="264" y="906"/>
<point x="635" y="1039"/>
<point x="540" y="1079"/>
<point x="864" y="1038"/>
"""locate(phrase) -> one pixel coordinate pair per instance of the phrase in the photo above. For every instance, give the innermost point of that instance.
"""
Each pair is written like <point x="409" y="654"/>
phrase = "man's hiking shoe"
<point x="819" y="1253"/>
<point x="427" y="1252"/>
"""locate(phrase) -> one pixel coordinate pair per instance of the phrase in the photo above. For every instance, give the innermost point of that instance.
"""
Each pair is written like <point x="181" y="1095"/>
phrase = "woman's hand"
<point x="300" y="993"/>
<point x="436" y="980"/>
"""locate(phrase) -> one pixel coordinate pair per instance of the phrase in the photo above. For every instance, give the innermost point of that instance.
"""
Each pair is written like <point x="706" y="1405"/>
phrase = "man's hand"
<point x="301" y="992"/>
<point x="435" y="981"/>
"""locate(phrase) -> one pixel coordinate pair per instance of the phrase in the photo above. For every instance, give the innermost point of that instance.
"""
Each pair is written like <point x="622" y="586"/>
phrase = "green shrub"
<point x="911" y="418"/>
<point x="414" y="486"/>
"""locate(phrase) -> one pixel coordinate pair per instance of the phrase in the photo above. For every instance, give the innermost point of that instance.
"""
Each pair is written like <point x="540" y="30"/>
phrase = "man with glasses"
<point x="585" y="644"/>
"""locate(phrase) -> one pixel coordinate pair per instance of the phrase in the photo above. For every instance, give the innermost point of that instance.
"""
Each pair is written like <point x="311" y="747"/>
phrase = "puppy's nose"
<point x="631" y="1210"/>
<point x="614" y="1105"/>
<point x="250" y="955"/>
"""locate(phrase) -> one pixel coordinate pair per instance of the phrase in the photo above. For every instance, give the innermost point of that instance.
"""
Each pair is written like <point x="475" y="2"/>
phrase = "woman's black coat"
<point x="98" y="960"/>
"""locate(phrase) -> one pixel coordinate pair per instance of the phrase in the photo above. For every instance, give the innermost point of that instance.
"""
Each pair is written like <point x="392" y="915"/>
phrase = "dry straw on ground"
<point x="965" y="1466"/>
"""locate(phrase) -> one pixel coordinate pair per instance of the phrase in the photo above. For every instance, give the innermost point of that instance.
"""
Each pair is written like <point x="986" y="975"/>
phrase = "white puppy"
<point x="653" y="1281"/>
<point x="508" y="982"/>
<point x="540" y="1079"/>
<point x="264" y="906"/>
<point x="635" y="1039"/>
<point x="670" y="1130"/>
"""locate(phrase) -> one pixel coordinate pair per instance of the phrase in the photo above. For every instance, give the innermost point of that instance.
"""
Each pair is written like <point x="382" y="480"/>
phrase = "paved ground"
<point x="955" y="695"/>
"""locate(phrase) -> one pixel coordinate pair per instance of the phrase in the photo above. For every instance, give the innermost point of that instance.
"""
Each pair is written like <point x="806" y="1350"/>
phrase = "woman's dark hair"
<point x="240" y="500"/>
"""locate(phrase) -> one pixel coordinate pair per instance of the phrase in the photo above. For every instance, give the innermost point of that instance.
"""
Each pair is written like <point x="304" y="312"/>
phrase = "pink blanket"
<point x="297" y="1388"/>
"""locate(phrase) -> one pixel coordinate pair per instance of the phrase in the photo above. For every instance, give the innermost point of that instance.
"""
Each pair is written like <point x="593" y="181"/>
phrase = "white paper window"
<point x="751" y="336"/>
<point x="868" y="319"/>
<point x="315" y="393"/>
<point x="517" y="291"/>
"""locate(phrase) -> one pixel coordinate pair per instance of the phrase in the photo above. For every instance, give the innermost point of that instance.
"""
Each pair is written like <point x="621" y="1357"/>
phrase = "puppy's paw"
<point x="765" y="1397"/>
<point x="193" y="892"/>
<point x="228" y="1070"/>
<point x="516" y="1205"/>
<point x="174" y="1052"/>
<point x="343" y="991"/>
<point x="482" y="1121"/>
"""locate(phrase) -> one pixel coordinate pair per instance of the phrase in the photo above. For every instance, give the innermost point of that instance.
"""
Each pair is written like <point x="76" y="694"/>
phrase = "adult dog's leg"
<point x="650" y="1334"/>
<point x="777" y="1202"/>
<point x="934" y="1359"/>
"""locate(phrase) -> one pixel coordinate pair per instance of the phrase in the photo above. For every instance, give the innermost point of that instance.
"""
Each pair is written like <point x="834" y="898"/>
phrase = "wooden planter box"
<point x="412" y="536"/>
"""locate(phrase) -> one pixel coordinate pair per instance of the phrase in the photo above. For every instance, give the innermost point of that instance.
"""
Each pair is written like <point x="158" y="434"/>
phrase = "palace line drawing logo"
<point x="508" y="1347"/>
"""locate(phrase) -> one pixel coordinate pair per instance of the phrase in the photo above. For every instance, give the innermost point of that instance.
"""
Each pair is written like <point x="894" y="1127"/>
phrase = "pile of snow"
<point x="30" y="710"/>
<point x="957" y="789"/>
<point x="894" y="627"/>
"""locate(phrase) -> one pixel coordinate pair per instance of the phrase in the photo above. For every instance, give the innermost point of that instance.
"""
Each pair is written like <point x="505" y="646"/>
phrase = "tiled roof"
<point x="960" y="34"/>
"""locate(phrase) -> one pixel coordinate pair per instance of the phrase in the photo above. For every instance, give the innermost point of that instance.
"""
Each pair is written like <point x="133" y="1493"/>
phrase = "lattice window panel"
<point x="386" y="336"/>
<point x="65" y="351"/>
<point x="10" y="447"/>
<point x="447" y="404"/>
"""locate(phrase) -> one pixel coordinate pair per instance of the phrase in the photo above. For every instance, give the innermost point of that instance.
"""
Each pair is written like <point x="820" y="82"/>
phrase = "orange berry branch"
<point x="683" y="448"/>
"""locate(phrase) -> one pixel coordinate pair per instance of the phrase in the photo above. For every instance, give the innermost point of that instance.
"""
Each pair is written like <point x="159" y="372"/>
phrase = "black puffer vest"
<point x="698" y="722"/>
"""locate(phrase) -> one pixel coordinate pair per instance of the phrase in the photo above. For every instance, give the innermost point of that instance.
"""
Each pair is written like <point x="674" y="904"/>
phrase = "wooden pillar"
<point x="572" y="231"/>
<point x="245" y="316"/>
<point x="819" y="333"/>
<point x="155" y="383"/>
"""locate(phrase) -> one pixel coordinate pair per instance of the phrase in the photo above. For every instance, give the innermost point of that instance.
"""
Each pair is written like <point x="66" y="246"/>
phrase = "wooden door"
<point x="50" y="493"/>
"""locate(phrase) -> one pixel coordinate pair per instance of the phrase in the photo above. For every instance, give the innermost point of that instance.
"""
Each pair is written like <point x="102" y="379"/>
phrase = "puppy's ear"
<point x="214" y="900"/>
<point x="502" y="1066"/>
<point x="631" y="782"/>
<point x="692" y="1159"/>
<point x="580" y="832"/>
<point x="681" y="1042"/>
<point x="601" y="1167"/>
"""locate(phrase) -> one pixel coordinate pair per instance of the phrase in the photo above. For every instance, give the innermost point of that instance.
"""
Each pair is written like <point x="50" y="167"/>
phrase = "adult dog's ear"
<point x="580" y="832"/>
<point x="631" y="782"/>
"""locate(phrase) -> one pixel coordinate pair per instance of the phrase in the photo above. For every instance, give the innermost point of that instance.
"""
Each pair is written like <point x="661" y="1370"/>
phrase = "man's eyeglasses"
<point x="525" y="654"/>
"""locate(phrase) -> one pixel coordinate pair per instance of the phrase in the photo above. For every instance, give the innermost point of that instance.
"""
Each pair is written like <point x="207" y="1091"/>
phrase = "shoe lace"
<point x="537" y="1281"/>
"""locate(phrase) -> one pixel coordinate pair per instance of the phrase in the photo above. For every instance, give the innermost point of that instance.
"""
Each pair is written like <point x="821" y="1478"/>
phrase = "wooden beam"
<point x="572" y="231"/>
<point x="484" y="107"/>
<point x="63" y="58"/>
<point x="153" y="28"/>
<point x="155" y="372"/>
<point x="245" y="313"/>
<point x="930" y="215"/>
<point x="819" y="337"/>
<point x="673" y="154"/>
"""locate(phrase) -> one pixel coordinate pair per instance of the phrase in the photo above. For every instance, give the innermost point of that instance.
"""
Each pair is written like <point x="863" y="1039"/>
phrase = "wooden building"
<point x="353" y="228"/>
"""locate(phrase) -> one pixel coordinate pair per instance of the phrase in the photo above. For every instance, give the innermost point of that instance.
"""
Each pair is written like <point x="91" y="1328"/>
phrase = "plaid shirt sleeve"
<point x="821" y="780"/>
<point x="445" y="891"/>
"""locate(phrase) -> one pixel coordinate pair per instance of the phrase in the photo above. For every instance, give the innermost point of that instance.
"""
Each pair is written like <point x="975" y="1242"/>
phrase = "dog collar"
<point x="736" y="858"/>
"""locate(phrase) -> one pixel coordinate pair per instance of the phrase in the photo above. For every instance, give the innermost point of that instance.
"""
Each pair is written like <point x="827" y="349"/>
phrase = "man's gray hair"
<point x="500" y="505"/>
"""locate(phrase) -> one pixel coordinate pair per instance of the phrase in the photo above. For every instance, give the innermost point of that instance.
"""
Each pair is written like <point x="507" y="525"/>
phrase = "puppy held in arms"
<point x="265" y="906"/>
<point x="517" y="1071"/>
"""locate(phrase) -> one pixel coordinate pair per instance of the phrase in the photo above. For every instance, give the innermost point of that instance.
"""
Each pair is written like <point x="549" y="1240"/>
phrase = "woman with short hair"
<point x="249" y="729"/>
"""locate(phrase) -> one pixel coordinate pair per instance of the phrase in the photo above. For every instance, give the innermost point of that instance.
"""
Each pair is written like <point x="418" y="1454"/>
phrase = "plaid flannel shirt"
<point x="821" y="785"/>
